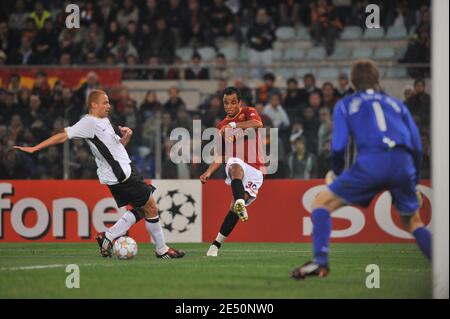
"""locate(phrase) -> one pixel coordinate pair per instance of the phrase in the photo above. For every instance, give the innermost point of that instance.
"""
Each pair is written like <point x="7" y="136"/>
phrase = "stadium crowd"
<point x="302" y="114"/>
<point x="148" y="32"/>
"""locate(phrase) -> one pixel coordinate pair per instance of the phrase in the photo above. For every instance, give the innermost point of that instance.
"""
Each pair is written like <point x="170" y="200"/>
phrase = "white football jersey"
<point x="113" y="162"/>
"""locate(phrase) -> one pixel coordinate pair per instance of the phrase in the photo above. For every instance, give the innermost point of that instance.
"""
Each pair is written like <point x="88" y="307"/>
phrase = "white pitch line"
<point x="38" y="267"/>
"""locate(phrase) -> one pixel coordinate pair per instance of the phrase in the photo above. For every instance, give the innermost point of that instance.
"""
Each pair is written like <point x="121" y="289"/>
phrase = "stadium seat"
<point x="328" y="74"/>
<point x="208" y="53"/>
<point x="184" y="53"/>
<point x="384" y="53"/>
<point x="400" y="52"/>
<point x="277" y="54"/>
<point x="340" y="53"/>
<point x="286" y="73"/>
<point x="362" y="52"/>
<point x="231" y="53"/>
<point x="397" y="73"/>
<point x="285" y="33"/>
<point x="302" y="34"/>
<point x="396" y="32"/>
<point x="302" y="71"/>
<point x="351" y="33"/>
<point x="316" y="53"/>
<point x="294" y="53"/>
<point x="243" y="54"/>
<point x="374" y="34"/>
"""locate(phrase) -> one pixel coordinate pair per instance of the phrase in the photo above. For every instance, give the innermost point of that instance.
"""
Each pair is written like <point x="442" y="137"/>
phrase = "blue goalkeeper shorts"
<point x="373" y="173"/>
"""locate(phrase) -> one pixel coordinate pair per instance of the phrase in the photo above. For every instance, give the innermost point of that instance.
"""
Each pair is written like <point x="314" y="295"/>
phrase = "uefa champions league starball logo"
<point x="177" y="211"/>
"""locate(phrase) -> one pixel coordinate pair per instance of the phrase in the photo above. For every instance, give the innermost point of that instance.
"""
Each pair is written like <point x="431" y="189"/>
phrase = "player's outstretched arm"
<point x="53" y="140"/>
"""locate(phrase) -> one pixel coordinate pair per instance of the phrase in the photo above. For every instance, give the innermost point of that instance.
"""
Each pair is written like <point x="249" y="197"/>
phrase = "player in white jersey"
<point x="116" y="171"/>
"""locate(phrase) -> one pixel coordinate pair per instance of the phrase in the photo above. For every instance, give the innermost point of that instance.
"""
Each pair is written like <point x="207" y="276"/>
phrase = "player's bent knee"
<point x="411" y="222"/>
<point x="327" y="200"/>
<point x="236" y="171"/>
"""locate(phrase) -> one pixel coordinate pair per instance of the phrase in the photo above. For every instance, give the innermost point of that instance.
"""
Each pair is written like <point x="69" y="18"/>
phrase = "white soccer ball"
<point x="125" y="248"/>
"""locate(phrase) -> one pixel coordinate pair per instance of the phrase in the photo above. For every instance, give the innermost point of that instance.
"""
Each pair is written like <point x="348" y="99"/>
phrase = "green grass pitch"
<point x="242" y="270"/>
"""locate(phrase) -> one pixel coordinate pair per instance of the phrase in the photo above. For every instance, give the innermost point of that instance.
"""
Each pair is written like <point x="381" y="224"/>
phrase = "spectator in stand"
<point x="302" y="164"/>
<point x="83" y="166"/>
<point x="24" y="55"/>
<point x="129" y="12"/>
<point x="174" y="102"/>
<point x="221" y="22"/>
<point x="309" y="86"/>
<point x="39" y="15"/>
<point x="221" y="70"/>
<point x="176" y="71"/>
<point x="343" y="87"/>
<point x="420" y="104"/>
<point x="154" y="70"/>
<point x="260" y="37"/>
<point x="246" y="92"/>
<point x="18" y="18"/>
<point x="183" y="119"/>
<point x="149" y="106"/>
<point x="329" y="96"/>
<point x="163" y="43"/>
<point x="131" y="73"/>
<point x="150" y="13"/>
<point x="325" y="25"/>
<point x="90" y="13"/>
<point x="6" y="38"/>
<point x="30" y="30"/>
<point x="41" y="88"/>
<point x="267" y="89"/>
<point x="311" y="126"/>
<point x="90" y="84"/>
<point x="408" y="91"/>
<point x="275" y="111"/>
<point x="418" y="50"/>
<point x="195" y="24"/>
<point x="133" y="34"/>
<point x="289" y="12"/>
<point x="292" y="102"/>
<point x="123" y="49"/>
<point x="112" y="35"/>
<point x="196" y="71"/>
<point x="324" y="160"/>
<point x="212" y="111"/>
<point x="174" y="19"/>
<point x="15" y="165"/>
<point x="108" y="11"/>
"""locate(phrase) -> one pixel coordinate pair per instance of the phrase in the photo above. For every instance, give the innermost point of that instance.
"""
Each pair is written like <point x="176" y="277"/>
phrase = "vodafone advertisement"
<point x="73" y="211"/>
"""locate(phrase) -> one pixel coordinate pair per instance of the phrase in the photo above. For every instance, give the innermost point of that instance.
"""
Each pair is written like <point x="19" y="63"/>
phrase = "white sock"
<point x="121" y="226"/>
<point x="220" y="238"/>
<point x="156" y="232"/>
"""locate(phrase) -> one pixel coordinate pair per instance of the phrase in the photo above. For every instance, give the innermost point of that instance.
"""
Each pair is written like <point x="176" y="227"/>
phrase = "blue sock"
<point x="423" y="238"/>
<point x="321" y="235"/>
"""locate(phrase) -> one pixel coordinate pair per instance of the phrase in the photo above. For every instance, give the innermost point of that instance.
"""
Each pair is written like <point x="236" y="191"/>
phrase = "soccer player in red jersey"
<point x="242" y="153"/>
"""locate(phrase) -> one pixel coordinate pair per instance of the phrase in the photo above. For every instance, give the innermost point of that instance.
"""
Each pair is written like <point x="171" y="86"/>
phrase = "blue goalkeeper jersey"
<point x="377" y="123"/>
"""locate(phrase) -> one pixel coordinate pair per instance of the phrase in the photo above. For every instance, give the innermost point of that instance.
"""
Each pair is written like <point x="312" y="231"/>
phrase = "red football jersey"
<point x="253" y="153"/>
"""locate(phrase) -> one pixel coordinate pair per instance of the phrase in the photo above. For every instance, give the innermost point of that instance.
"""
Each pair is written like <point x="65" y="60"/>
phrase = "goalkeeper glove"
<point x="329" y="178"/>
<point x="419" y="197"/>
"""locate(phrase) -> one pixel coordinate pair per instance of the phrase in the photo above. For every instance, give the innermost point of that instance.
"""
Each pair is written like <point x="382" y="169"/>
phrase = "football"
<point x="125" y="248"/>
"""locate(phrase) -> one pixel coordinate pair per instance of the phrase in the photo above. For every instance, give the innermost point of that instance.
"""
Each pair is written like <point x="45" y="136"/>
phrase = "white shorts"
<point x="252" y="181"/>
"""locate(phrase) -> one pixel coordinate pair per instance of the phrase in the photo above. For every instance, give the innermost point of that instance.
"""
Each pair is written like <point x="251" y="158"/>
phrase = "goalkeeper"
<point x="389" y="157"/>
